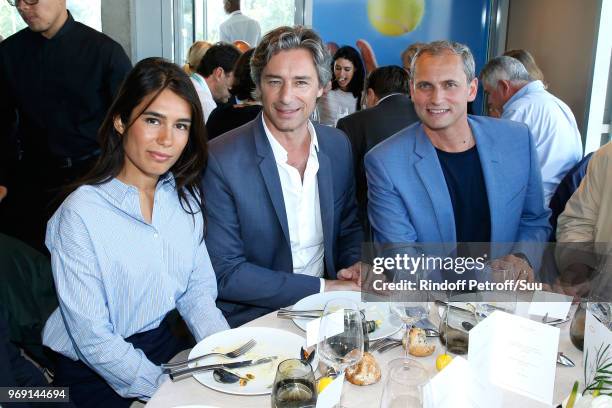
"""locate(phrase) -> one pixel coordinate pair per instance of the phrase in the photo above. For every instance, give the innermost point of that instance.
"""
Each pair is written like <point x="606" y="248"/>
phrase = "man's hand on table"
<point x="348" y="279"/>
<point x="3" y="192"/>
<point x="352" y="273"/>
<point x="521" y="266"/>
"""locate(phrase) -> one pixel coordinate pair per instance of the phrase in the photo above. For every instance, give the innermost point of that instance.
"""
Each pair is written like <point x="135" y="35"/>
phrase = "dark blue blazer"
<point x="247" y="232"/>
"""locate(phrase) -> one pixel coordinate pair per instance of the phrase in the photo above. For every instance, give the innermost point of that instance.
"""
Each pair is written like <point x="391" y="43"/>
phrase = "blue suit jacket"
<point x="409" y="199"/>
<point x="247" y="231"/>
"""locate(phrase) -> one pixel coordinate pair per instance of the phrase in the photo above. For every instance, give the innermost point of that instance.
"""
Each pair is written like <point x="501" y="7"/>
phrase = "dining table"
<point x="188" y="391"/>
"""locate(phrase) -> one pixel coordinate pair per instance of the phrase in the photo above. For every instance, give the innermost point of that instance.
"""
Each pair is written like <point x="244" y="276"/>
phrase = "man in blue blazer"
<point x="453" y="177"/>
<point x="279" y="191"/>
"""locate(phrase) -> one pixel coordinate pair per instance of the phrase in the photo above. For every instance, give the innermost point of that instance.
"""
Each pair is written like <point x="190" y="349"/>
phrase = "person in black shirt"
<point x="58" y="78"/>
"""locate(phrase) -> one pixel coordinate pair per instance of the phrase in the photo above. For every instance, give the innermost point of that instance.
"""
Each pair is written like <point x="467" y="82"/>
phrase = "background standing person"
<point x="57" y="79"/>
<point x="238" y="26"/>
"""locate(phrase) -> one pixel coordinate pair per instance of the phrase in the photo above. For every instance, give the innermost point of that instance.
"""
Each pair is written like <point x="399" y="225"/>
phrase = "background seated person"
<point x="230" y="116"/>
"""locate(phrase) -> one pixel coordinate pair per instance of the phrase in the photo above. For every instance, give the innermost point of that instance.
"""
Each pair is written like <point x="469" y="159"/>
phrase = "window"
<point x="269" y="13"/>
<point x="88" y="12"/>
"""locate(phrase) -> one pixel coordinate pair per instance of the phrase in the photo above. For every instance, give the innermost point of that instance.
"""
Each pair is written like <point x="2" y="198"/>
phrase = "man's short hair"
<point x="506" y="68"/>
<point x="222" y="55"/>
<point x="409" y="53"/>
<point x="388" y="80"/>
<point x="441" y="47"/>
<point x="291" y="38"/>
<point x="231" y="4"/>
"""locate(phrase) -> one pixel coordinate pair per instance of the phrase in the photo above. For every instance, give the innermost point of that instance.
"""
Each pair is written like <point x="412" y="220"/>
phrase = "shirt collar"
<point x="530" y="87"/>
<point x="280" y="154"/>
<point x="233" y="13"/>
<point x="118" y="190"/>
<point x="65" y="28"/>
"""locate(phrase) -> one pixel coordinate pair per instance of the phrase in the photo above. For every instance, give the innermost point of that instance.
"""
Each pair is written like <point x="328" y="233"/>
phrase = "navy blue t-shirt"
<point x="468" y="193"/>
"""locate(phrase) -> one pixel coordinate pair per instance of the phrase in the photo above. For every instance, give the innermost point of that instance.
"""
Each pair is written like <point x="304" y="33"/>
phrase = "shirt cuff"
<point x="322" y="289"/>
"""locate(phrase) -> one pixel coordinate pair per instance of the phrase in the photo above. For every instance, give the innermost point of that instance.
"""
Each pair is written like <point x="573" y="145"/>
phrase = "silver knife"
<point x="187" y="372"/>
<point x="564" y="360"/>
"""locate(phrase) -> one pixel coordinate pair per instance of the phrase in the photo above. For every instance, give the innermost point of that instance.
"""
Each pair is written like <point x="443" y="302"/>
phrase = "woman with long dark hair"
<point x="347" y="85"/>
<point x="127" y="245"/>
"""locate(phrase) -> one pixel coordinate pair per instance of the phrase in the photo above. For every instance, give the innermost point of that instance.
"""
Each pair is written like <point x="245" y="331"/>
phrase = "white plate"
<point x="270" y="342"/>
<point x="390" y="323"/>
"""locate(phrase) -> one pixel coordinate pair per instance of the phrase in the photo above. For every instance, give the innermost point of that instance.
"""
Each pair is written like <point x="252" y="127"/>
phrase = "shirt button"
<point x="155" y="235"/>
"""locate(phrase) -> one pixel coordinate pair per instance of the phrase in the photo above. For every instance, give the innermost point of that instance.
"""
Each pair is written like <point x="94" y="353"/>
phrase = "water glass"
<point x="294" y="385"/>
<point x="404" y="386"/>
<point x="344" y="349"/>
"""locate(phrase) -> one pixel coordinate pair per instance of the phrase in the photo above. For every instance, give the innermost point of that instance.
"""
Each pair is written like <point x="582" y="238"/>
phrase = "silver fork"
<point x="166" y="368"/>
<point x="390" y="346"/>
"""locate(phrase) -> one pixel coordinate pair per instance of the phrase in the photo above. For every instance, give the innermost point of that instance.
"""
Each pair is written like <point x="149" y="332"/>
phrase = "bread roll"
<point x="365" y="372"/>
<point x="417" y="343"/>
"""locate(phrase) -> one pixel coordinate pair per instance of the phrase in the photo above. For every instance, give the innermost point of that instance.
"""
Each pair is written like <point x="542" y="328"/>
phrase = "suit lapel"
<point x="269" y="172"/>
<point x="489" y="160"/>
<point x="326" y="203"/>
<point x="431" y="175"/>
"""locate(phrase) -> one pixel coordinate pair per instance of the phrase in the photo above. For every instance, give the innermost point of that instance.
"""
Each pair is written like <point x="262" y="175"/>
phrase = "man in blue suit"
<point x="279" y="191"/>
<point x="453" y="177"/>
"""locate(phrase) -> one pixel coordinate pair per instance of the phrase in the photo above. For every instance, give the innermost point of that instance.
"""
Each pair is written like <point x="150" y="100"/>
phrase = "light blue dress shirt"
<point x="116" y="275"/>
<point x="554" y="129"/>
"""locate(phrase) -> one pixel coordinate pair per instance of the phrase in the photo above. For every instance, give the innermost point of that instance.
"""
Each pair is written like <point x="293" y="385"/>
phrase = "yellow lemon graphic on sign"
<point x="395" y="17"/>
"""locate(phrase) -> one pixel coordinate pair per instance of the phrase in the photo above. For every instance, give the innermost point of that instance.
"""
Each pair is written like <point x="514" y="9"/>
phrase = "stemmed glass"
<point x="411" y="307"/>
<point x="404" y="386"/>
<point x="344" y="349"/>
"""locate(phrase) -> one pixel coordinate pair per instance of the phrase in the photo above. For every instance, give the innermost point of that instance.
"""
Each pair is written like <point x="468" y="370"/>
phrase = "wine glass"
<point x="404" y="387"/>
<point x="410" y="307"/>
<point x="343" y="349"/>
<point x="294" y="385"/>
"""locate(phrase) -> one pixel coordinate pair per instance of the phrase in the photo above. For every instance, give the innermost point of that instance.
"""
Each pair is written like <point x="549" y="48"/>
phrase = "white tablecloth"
<point x="191" y="392"/>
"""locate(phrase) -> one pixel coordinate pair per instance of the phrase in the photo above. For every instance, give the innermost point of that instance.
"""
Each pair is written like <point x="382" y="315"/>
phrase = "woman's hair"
<point x="194" y="56"/>
<point x="243" y="87"/>
<point x="148" y="79"/>
<point x="528" y="62"/>
<point x="357" y="82"/>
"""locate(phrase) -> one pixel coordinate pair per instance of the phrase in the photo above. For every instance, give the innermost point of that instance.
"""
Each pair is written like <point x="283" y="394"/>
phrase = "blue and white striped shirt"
<point x="116" y="275"/>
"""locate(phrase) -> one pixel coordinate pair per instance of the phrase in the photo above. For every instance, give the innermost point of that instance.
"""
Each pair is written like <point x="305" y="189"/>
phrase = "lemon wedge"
<point x="442" y="361"/>
<point x="322" y="383"/>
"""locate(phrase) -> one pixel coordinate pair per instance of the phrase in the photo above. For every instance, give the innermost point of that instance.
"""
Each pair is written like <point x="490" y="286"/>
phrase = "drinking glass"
<point x="344" y="349"/>
<point x="294" y="385"/>
<point x="498" y="272"/>
<point x="404" y="387"/>
<point x="455" y="325"/>
<point x="410" y="307"/>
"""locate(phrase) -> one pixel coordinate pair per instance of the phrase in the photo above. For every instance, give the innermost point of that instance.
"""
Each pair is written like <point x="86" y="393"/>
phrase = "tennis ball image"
<point x="395" y="17"/>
